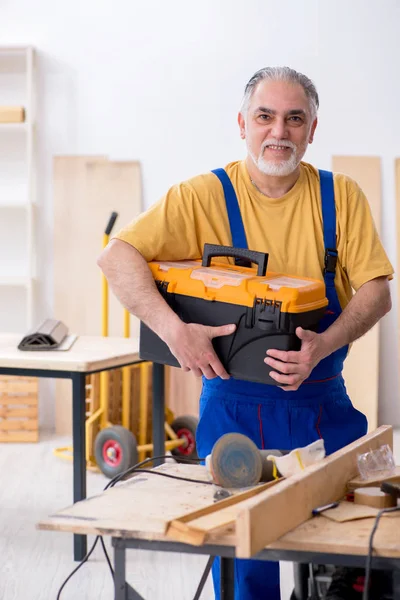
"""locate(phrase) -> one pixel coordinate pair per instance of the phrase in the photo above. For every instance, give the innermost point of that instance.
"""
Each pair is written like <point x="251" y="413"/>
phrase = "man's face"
<point x="278" y="127"/>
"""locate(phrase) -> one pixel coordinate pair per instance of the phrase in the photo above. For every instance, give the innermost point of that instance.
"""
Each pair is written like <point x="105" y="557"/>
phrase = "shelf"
<point x="15" y="281"/>
<point x="17" y="205"/>
<point x="14" y="126"/>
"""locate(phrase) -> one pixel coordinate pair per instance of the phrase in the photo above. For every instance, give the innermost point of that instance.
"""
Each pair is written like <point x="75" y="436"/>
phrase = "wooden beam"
<point x="274" y="512"/>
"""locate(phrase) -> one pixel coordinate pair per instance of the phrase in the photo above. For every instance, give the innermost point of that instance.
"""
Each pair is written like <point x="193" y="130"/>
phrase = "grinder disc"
<point x="235" y="461"/>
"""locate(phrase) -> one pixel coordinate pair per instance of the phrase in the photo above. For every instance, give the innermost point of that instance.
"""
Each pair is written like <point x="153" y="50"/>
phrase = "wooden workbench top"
<point x="143" y="506"/>
<point x="88" y="353"/>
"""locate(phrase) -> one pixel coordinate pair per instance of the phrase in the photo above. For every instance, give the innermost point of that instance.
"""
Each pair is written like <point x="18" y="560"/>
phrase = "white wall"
<point x="161" y="81"/>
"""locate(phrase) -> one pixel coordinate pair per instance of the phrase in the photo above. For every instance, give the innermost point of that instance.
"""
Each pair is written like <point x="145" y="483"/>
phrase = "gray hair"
<point x="281" y="74"/>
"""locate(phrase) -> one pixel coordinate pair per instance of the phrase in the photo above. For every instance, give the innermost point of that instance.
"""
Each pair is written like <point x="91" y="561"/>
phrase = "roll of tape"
<point x="372" y="496"/>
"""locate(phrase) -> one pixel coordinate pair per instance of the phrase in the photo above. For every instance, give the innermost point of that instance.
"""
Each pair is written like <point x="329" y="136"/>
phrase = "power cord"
<point x="112" y="483"/>
<point x="370" y="549"/>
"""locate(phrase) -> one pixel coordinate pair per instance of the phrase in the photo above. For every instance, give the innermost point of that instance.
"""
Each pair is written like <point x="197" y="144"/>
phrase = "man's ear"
<point x="313" y="128"/>
<point x="242" y="126"/>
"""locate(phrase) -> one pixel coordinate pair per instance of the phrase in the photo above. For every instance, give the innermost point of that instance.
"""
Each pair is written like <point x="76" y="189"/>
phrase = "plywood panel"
<point x="397" y="175"/>
<point x="86" y="190"/>
<point x="362" y="384"/>
<point x="182" y="392"/>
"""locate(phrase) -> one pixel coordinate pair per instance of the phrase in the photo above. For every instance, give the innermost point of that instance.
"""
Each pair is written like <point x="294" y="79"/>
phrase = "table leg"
<point x="119" y="571"/>
<point x="158" y="412"/>
<point x="122" y="589"/>
<point x="396" y="584"/>
<point x="79" y="458"/>
<point x="227" y="578"/>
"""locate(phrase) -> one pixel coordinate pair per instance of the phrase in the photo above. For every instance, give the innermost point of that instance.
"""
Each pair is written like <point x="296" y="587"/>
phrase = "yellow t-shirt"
<point x="289" y="228"/>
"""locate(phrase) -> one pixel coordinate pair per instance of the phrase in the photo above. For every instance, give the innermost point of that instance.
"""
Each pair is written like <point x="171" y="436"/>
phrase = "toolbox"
<point x="266" y="308"/>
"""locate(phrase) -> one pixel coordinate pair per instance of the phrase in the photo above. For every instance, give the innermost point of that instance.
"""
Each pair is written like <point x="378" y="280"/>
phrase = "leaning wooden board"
<point x="362" y="384"/>
<point x="86" y="190"/>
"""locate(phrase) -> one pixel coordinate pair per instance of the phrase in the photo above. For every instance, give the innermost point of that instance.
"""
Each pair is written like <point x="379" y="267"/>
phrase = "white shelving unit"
<point x="17" y="191"/>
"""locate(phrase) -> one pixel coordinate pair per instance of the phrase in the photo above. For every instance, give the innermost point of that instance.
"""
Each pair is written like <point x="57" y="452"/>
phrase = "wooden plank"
<point x="196" y="527"/>
<point x="18" y="400"/>
<point x="362" y="384"/>
<point x="373" y="481"/>
<point x="182" y="392"/>
<point x="146" y="502"/>
<point x="86" y="191"/>
<point x="292" y="501"/>
<point x="19" y="436"/>
<point x="19" y="425"/>
<point x="9" y="413"/>
<point x="20" y="386"/>
<point x="325" y="535"/>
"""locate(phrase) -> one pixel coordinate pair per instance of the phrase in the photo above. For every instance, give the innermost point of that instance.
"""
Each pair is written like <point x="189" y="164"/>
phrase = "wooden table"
<point x="89" y="354"/>
<point x="136" y="515"/>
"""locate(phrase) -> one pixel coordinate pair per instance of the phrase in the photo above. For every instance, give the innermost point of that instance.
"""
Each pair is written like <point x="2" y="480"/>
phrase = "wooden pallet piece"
<point x="19" y="409"/>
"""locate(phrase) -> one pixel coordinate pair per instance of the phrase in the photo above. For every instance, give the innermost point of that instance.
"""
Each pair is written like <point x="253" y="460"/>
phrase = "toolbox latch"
<point x="267" y="314"/>
<point x="331" y="257"/>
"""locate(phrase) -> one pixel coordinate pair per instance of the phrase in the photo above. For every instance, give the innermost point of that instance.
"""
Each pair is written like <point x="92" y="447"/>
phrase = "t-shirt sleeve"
<point x="166" y="231"/>
<point x="364" y="257"/>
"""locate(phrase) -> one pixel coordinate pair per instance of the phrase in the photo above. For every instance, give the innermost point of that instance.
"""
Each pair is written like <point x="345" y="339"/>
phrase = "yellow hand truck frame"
<point x="112" y="447"/>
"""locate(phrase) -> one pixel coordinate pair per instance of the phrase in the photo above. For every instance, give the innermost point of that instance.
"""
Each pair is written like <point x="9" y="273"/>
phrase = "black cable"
<point x="121" y="476"/>
<point x="173" y="476"/>
<point x="84" y="559"/>
<point x="112" y="483"/>
<point x="204" y="577"/>
<point x="107" y="557"/>
<point x="370" y="549"/>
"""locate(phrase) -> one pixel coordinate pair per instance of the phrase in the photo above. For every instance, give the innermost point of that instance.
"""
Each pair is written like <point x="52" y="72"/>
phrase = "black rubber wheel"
<point x="185" y="427"/>
<point x="115" y="450"/>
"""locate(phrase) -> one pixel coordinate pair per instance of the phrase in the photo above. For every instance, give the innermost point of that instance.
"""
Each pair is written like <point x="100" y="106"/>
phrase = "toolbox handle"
<point x="111" y="222"/>
<point x="259" y="258"/>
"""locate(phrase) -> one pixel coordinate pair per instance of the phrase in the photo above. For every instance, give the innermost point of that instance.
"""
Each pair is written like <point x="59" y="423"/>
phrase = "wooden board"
<point x="145" y="503"/>
<point x="199" y="526"/>
<point x="182" y="391"/>
<point x="362" y="384"/>
<point x="86" y="190"/>
<point x="325" y="535"/>
<point x="373" y="481"/>
<point x="291" y="502"/>
<point x="348" y="511"/>
<point x="395" y="411"/>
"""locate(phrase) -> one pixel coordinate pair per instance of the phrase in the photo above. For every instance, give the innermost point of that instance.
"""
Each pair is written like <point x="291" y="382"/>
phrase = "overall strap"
<point x="235" y="218"/>
<point x="329" y="225"/>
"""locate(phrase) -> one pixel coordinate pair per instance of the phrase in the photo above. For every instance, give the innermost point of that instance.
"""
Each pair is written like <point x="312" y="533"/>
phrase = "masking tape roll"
<point x="372" y="496"/>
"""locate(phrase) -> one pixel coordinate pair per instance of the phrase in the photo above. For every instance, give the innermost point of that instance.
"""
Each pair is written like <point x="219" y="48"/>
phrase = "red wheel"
<point x="185" y="428"/>
<point x="115" y="450"/>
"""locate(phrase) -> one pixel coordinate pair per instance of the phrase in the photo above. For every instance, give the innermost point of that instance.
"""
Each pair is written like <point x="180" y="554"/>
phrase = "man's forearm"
<point x="369" y="304"/>
<point x="131" y="281"/>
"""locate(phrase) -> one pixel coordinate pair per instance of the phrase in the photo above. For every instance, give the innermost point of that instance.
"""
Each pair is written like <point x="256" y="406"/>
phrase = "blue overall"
<point x="271" y="417"/>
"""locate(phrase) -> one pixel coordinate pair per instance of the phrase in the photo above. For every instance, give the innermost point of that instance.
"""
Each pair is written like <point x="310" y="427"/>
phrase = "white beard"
<point x="278" y="169"/>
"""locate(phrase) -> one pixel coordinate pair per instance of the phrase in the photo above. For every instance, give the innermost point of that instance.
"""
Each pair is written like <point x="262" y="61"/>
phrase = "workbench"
<point x="137" y="512"/>
<point x="88" y="354"/>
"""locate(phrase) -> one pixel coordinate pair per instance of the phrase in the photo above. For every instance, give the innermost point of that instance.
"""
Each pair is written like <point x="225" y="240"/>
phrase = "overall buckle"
<point x="331" y="257"/>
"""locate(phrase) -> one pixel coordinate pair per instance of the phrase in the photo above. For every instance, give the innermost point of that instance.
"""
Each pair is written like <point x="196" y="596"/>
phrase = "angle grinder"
<point x="236" y="462"/>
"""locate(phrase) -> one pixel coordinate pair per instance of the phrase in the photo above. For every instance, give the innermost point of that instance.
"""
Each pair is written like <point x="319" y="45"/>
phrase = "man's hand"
<point x="191" y="345"/>
<point x="295" y="367"/>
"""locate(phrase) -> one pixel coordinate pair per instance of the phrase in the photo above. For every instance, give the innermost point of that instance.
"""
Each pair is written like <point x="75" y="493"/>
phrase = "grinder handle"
<point x="259" y="258"/>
